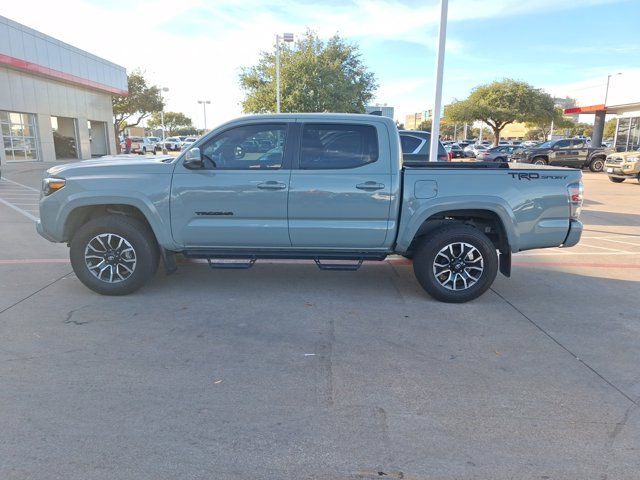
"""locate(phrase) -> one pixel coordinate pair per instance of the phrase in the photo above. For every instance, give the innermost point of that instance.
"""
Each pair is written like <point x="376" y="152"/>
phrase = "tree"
<point x="142" y="101"/>
<point x="424" y="125"/>
<point x="173" y="121"/>
<point x="542" y="127"/>
<point x="500" y="103"/>
<point x="610" y="129"/>
<point x="315" y="76"/>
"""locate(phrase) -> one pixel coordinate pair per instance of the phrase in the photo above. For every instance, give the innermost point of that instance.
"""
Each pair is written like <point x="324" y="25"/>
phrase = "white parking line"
<point x="20" y="184"/>
<point x="19" y="210"/>
<point x="620" y="241"/>
<point x="605" y="248"/>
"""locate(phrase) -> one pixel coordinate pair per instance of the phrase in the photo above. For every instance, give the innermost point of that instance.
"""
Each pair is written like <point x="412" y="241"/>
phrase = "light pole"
<point x="435" y="124"/>
<point x="287" y="37"/>
<point x="606" y="92"/>
<point x="204" y="109"/>
<point x="163" y="89"/>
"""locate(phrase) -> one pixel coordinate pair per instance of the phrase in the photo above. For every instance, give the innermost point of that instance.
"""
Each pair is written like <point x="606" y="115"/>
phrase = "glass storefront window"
<point x="19" y="136"/>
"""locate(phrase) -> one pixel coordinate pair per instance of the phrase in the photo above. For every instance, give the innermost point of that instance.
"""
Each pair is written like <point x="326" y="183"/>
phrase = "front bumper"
<point x="619" y="171"/>
<point x="574" y="234"/>
<point x="42" y="233"/>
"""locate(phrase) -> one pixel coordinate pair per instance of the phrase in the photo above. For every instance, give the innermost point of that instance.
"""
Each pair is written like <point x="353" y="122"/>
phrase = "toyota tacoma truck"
<point x="332" y="188"/>
<point x="568" y="152"/>
<point x="623" y="165"/>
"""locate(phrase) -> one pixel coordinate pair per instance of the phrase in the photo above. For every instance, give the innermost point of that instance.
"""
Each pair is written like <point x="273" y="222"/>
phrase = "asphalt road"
<point x="287" y="372"/>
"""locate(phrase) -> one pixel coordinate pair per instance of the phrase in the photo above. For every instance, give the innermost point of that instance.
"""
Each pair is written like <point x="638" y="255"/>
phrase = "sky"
<point x="196" y="48"/>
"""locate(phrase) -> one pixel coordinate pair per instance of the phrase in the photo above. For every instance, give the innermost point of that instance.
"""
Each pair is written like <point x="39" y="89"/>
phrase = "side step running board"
<point x="221" y="263"/>
<point x="351" y="267"/>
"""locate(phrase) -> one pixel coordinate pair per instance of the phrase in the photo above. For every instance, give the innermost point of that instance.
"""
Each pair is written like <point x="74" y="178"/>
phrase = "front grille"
<point x="614" y="160"/>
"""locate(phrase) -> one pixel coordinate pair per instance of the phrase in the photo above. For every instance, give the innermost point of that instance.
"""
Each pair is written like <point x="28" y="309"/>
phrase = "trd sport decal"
<point x="215" y="214"/>
<point x="535" y="176"/>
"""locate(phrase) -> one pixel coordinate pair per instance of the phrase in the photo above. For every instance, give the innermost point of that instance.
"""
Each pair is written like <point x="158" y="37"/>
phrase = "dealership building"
<point x="55" y="99"/>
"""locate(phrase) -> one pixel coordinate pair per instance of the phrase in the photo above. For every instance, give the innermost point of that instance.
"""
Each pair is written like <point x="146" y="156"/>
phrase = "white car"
<point x="173" y="143"/>
<point x="187" y="143"/>
<point x="474" y="149"/>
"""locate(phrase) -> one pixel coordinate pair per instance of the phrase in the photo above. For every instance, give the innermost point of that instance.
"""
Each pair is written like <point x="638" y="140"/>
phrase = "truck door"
<point x="561" y="153"/>
<point x="340" y="192"/>
<point x="580" y="151"/>
<point x="239" y="198"/>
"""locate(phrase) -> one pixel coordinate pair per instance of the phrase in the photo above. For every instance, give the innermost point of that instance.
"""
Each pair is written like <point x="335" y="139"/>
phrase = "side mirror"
<point x="193" y="159"/>
<point x="238" y="152"/>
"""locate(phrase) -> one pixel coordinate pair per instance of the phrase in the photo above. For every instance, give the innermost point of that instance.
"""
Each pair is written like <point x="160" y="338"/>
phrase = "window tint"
<point x="409" y="143"/>
<point x="335" y="146"/>
<point x="578" y="143"/>
<point x="563" y="144"/>
<point x="240" y="148"/>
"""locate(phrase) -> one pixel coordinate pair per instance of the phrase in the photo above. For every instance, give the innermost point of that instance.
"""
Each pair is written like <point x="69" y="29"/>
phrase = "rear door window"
<point x="337" y="146"/>
<point x="409" y="143"/>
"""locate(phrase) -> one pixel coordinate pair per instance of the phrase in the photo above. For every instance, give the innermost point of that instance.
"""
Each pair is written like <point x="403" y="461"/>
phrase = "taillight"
<point x="576" y="196"/>
<point x="450" y="156"/>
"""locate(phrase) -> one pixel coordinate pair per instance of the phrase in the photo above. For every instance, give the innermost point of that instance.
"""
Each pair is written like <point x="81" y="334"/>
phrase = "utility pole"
<point x="437" y="103"/>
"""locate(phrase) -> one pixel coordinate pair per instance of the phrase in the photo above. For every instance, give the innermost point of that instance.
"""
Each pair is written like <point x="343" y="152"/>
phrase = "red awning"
<point x="589" y="109"/>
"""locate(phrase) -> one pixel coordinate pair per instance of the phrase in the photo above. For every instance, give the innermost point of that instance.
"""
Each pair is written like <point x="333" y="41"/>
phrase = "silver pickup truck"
<point x="326" y="187"/>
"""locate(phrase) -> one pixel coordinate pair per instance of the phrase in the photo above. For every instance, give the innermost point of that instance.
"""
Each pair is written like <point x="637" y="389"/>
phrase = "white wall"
<point x="22" y="92"/>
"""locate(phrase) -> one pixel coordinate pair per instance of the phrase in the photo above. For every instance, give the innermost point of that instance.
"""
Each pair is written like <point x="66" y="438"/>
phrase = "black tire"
<point x="499" y="159"/>
<point x="140" y="238"/>
<point x="597" y="164"/>
<point x="618" y="180"/>
<point x="539" y="161"/>
<point x="429" y="250"/>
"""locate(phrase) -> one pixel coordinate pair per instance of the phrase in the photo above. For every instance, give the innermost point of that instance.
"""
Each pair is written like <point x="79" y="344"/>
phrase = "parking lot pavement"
<point x="284" y="371"/>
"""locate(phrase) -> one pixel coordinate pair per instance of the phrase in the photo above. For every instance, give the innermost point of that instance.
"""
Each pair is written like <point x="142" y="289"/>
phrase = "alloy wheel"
<point x="110" y="258"/>
<point x="458" y="266"/>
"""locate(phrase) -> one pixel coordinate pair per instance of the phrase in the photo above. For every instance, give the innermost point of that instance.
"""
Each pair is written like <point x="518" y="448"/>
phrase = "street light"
<point x="164" y="147"/>
<point x="286" y="37"/>
<point x="204" y="108"/>
<point x="606" y="93"/>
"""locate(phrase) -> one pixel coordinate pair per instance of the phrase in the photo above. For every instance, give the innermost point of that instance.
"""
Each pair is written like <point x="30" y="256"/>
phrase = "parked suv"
<point x="623" y="165"/>
<point x="415" y="147"/>
<point x="568" y="152"/>
<point x="173" y="143"/>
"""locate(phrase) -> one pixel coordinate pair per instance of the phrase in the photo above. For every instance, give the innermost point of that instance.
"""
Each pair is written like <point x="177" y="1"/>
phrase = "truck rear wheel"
<point x="539" y="161"/>
<point x="456" y="263"/>
<point x="114" y="254"/>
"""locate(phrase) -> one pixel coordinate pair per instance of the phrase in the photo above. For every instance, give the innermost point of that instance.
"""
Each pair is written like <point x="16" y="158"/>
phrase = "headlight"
<point x="633" y="159"/>
<point x="51" y="184"/>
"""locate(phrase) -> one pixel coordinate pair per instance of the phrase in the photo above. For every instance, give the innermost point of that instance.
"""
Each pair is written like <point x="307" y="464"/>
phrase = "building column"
<point x="84" y="145"/>
<point x="45" y="138"/>
<point x="598" y="128"/>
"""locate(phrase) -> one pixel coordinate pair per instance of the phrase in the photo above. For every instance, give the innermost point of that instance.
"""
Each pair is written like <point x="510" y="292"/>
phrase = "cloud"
<point x="196" y="47"/>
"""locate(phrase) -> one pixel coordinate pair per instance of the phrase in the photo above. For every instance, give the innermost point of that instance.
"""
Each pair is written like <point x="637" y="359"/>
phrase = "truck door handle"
<point x="272" y="185"/>
<point x="370" y="186"/>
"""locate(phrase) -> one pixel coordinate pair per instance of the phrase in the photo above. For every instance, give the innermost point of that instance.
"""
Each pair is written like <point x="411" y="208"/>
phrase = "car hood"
<point x="114" y="164"/>
<point x="624" y="155"/>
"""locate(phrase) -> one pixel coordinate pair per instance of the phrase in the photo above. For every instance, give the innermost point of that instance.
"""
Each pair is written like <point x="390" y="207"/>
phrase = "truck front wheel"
<point x="597" y="164"/>
<point x="456" y="263"/>
<point x="114" y="254"/>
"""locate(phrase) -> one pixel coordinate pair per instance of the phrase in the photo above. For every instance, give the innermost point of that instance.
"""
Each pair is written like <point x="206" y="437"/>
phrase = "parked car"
<point x="455" y="150"/>
<point x="623" y="165"/>
<point x="338" y="193"/>
<point x="173" y="143"/>
<point x="142" y="145"/>
<point x="498" y="154"/>
<point x="157" y="142"/>
<point x="568" y="152"/>
<point x="530" y="143"/>
<point x="474" y="149"/>
<point x="415" y="146"/>
<point x="188" y="141"/>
